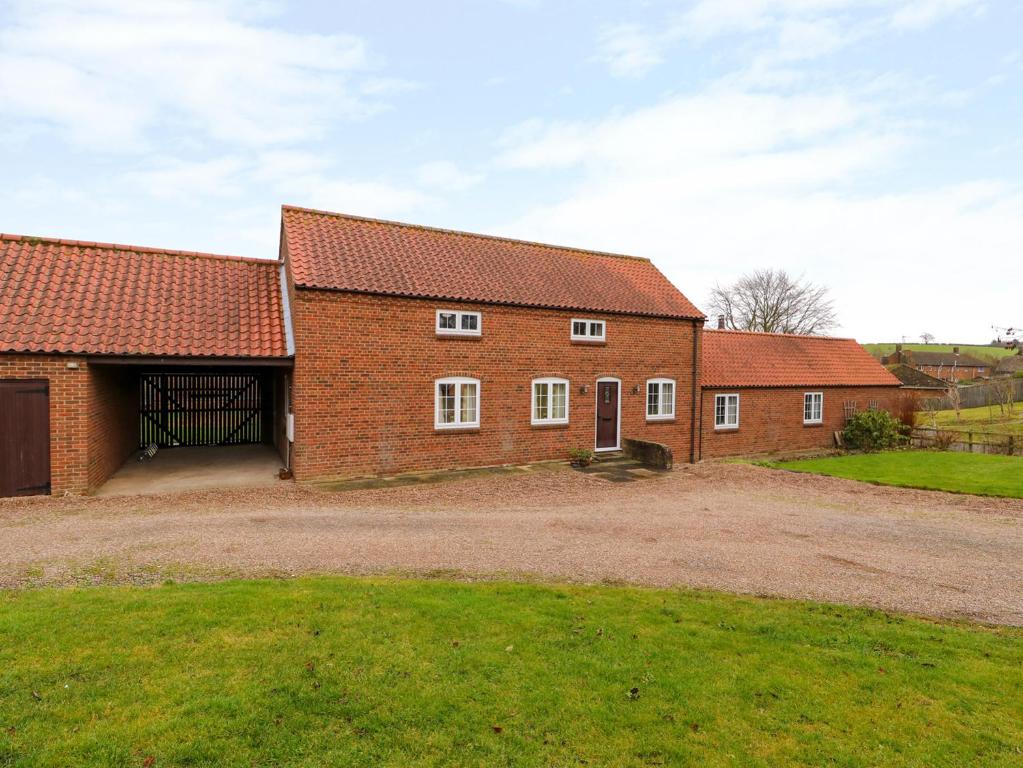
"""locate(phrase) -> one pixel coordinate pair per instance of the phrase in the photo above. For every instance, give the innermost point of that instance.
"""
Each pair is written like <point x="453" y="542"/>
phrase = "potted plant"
<point x="581" y="457"/>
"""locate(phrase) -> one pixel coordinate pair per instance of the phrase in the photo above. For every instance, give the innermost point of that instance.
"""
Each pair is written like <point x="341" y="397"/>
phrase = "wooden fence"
<point x="972" y="441"/>
<point x="978" y="395"/>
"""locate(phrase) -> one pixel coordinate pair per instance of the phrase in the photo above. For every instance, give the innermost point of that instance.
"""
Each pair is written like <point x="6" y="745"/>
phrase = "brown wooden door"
<point x="24" y="438"/>
<point x="607" y="414"/>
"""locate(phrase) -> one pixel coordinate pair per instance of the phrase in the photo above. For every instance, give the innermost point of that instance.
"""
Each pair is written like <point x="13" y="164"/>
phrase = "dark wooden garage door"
<point x="24" y="438"/>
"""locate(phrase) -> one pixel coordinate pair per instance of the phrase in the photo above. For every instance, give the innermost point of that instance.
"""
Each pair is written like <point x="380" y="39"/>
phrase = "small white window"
<point x="457" y="403"/>
<point x="587" y="330"/>
<point x="726" y="411"/>
<point x="550" y="401"/>
<point x="453" y="323"/>
<point x="813" y="407"/>
<point x="660" y="399"/>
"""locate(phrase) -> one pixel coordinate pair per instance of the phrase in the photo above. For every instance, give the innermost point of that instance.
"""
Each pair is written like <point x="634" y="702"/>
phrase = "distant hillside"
<point x="984" y="352"/>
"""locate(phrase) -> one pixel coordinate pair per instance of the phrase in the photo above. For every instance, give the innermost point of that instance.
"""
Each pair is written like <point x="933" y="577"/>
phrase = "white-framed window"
<point x="452" y="322"/>
<point x="587" y="330"/>
<point x="726" y="411"/>
<point x="660" y="399"/>
<point x="550" y="401"/>
<point x="813" y="407"/>
<point x="456" y="403"/>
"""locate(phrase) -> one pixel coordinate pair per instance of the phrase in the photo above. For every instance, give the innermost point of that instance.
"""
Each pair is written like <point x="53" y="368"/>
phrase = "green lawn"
<point x="985" y="419"/>
<point x="977" y="350"/>
<point x="334" y="671"/>
<point x="986" y="475"/>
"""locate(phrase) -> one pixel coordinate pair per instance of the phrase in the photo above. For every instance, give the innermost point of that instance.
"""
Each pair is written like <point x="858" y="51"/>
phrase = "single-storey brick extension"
<point x="374" y="347"/>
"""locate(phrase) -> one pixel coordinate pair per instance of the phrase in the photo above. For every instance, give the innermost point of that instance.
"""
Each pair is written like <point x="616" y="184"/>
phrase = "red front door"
<point x="607" y="414"/>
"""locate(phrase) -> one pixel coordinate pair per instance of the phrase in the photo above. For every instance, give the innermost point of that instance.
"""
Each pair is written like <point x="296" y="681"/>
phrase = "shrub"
<point x="944" y="438"/>
<point x="874" y="431"/>
<point x="581" y="457"/>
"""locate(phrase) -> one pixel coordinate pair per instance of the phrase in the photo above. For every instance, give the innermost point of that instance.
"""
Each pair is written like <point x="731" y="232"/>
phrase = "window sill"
<point x="726" y="429"/>
<point x="589" y="342"/>
<point x="454" y="430"/>
<point x="812" y="424"/>
<point x="462" y="336"/>
<point x="549" y="425"/>
<point x="662" y="420"/>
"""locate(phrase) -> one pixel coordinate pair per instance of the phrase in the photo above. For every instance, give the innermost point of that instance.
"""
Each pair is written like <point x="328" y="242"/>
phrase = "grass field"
<point x="985" y="475"/>
<point x="333" y="671"/>
<point x="977" y="350"/>
<point x="983" y="422"/>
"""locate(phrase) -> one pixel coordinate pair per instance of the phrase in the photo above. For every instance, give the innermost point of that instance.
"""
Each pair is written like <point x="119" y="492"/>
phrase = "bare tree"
<point x="927" y="338"/>
<point x="772" y="301"/>
<point x="955" y="398"/>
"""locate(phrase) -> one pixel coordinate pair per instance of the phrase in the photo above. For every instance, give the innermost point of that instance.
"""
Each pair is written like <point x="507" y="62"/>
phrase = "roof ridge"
<point x="775" y="333"/>
<point x="463" y="233"/>
<point x="34" y="240"/>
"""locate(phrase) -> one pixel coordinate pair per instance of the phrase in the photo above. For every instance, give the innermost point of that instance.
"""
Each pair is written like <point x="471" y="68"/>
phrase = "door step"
<point x="608" y="456"/>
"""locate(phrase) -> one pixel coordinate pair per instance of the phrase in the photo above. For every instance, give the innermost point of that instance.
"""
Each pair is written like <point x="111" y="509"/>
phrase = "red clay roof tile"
<point x="748" y="359"/>
<point x="105" y="299"/>
<point x="340" y="252"/>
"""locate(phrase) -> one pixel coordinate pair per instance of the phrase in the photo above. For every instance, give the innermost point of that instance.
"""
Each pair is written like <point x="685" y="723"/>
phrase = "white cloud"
<point x="110" y="73"/>
<point x="628" y="50"/>
<point x="718" y="183"/>
<point x="447" y="176"/>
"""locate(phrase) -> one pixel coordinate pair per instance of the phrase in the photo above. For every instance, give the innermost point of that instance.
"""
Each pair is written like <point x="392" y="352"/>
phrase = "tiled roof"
<point x="104" y="299"/>
<point x="911" y="377"/>
<point x="348" y="253"/>
<point x="747" y="359"/>
<point x="1010" y="364"/>
<point x="948" y="359"/>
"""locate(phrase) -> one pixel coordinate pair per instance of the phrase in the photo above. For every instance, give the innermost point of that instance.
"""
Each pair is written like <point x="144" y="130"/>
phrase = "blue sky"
<point x="873" y="146"/>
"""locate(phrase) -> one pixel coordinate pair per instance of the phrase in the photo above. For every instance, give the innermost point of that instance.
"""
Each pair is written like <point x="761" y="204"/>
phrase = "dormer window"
<point x="587" y="330"/>
<point x="454" y="323"/>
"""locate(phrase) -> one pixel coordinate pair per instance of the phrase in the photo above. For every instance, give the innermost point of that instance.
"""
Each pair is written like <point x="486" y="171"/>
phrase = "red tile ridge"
<point x="462" y="233"/>
<point x="34" y="240"/>
<point x="775" y="333"/>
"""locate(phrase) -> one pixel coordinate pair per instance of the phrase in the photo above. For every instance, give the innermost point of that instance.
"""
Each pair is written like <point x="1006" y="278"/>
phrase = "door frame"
<point x="596" y="406"/>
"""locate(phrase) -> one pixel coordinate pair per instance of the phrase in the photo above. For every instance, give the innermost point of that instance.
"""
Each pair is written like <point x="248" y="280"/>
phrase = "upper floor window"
<point x="813" y="407"/>
<point x="550" y="401"/>
<point x="456" y="403"/>
<point x="452" y="323"/>
<point x="587" y="330"/>
<point x="726" y="411"/>
<point x="660" y="399"/>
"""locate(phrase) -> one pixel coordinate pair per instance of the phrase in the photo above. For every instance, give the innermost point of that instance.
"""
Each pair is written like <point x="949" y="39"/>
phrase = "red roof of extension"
<point x="105" y="299"/>
<point x="348" y="253"/>
<point x="748" y="359"/>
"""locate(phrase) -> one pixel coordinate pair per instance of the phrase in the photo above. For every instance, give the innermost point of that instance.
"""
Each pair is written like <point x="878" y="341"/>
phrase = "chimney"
<point x="721" y="322"/>
<point x="897" y="357"/>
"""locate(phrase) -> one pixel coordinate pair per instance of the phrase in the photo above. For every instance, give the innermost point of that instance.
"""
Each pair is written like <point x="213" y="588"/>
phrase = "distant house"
<point x="917" y="383"/>
<point x="1009" y="366"/>
<point x="772" y="392"/>
<point x="947" y="366"/>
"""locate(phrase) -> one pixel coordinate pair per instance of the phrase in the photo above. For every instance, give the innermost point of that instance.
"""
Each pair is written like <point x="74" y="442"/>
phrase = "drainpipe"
<point x="696" y="374"/>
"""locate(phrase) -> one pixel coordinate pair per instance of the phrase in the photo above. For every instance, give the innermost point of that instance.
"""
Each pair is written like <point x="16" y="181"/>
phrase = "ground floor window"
<point x="457" y="403"/>
<point x="726" y="412"/>
<point x="550" y="401"/>
<point x="660" y="399"/>
<point x="813" y="407"/>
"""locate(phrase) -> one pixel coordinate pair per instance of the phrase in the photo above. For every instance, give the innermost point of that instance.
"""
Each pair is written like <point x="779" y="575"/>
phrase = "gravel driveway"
<point x="733" y="527"/>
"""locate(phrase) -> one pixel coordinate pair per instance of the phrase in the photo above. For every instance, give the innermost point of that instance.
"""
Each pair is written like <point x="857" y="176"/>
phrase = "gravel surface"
<point x="724" y="526"/>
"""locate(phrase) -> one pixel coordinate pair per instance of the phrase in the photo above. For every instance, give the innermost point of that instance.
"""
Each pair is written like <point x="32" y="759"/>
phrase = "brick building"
<point x="947" y="366"/>
<point x="768" y="393"/>
<point x="90" y="330"/>
<point x="419" y="348"/>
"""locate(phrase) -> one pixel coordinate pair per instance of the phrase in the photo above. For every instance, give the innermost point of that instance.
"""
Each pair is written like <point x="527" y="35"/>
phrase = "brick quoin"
<point x="771" y="419"/>
<point x="365" y="368"/>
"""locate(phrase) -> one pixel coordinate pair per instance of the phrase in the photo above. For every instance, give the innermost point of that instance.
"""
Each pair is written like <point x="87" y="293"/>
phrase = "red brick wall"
<point x="93" y="417"/>
<point x="69" y="403"/>
<point x="947" y="372"/>
<point x="113" y="420"/>
<point x="365" y="368"/>
<point x="771" y="420"/>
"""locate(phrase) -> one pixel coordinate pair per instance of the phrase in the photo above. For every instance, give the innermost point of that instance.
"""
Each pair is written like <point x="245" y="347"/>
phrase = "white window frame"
<point x="661" y="415"/>
<point x="588" y="336"/>
<point x="820" y="416"/>
<point x="458" y="381"/>
<point x="726" y="397"/>
<point x="547" y="381"/>
<point x="457" y="330"/>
